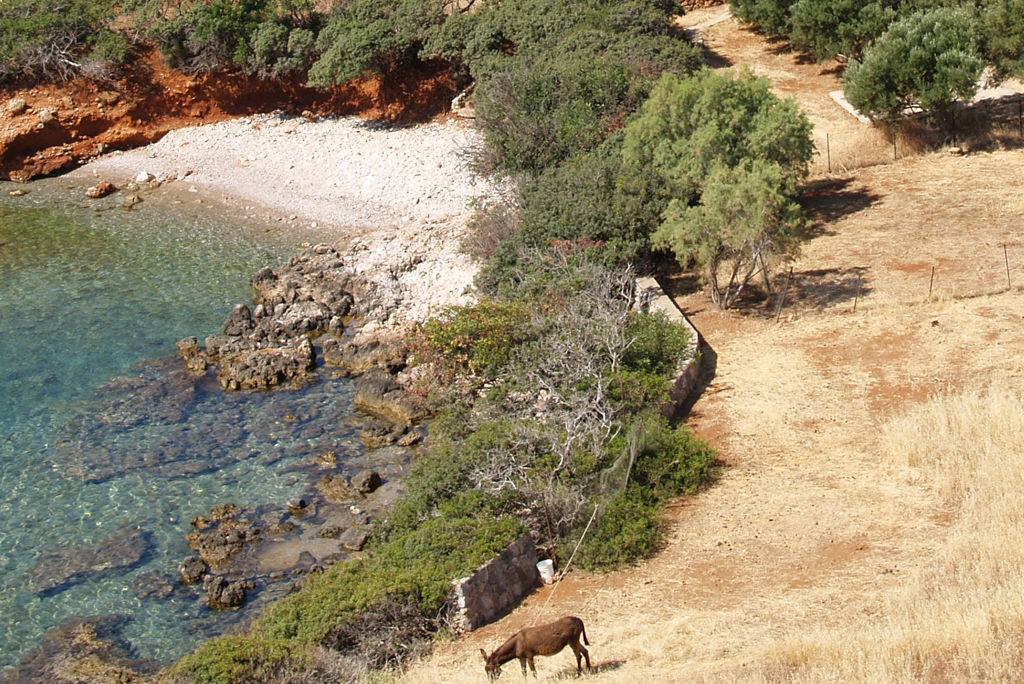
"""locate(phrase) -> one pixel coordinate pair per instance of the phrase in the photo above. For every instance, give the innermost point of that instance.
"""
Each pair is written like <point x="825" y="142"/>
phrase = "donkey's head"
<point x="491" y="666"/>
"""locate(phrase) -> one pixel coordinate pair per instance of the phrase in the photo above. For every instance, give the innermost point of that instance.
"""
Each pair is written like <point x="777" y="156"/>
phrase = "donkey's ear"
<point x="484" y="654"/>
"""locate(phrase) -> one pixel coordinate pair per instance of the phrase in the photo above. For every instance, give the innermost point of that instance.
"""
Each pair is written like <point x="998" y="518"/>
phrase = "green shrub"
<point x="671" y="460"/>
<point x="416" y="565"/>
<point x="772" y="16"/>
<point x="52" y="39"/>
<point x="628" y="527"/>
<point x="930" y="58"/>
<point x="232" y="658"/>
<point x="271" y="38"/>
<point x="480" y="338"/>
<point x="658" y="344"/>
<point x="278" y="51"/>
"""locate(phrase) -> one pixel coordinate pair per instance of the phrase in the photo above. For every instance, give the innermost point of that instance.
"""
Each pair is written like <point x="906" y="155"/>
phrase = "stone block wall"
<point x="652" y="298"/>
<point x="497" y="586"/>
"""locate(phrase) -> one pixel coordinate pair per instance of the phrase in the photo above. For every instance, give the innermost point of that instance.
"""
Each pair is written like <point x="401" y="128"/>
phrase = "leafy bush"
<point x="730" y="154"/>
<point x="930" y="58"/>
<point x="827" y="28"/>
<point x="480" y="338"/>
<point x="658" y="344"/>
<point x="231" y="658"/>
<point x="416" y="565"/>
<point x="278" y="51"/>
<point x="772" y="16"/>
<point x="670" y="461"/>
<point x="46" y="39"/>
<point x="1003" y="22"/>
<point x="271" y="38"/>
<point x="628" y="527"/>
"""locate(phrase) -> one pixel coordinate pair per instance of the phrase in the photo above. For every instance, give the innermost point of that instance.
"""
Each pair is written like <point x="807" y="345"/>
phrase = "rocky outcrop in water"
<point x="81" y="650"/>
<point x="353" y="358"/>
<point x="58" y="569"/>
<point x="221" y="535"/>
<point x="221" y="593"/>
<point x="380" y="395"/>
<point x="269" y="345"/>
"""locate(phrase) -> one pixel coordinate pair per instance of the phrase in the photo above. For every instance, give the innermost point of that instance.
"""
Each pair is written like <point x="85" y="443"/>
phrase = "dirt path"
<point x="902" y="295"/>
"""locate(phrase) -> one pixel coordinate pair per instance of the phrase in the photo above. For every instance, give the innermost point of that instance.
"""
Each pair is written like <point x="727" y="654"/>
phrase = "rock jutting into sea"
<point x="270" y="345"/>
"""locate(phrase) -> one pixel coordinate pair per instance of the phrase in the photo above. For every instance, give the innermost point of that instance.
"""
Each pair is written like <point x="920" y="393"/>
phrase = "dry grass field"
<point x="867" y="522"/>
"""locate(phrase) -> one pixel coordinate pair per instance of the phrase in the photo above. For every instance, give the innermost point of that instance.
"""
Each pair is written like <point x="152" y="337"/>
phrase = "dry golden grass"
<point x="962" y="617"/>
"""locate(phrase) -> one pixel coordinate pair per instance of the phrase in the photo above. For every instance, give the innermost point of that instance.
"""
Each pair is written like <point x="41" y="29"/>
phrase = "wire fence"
<point x="984" y="125"/>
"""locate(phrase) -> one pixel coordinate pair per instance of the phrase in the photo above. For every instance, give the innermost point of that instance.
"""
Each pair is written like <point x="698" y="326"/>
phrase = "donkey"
<point x="545" y="640"/>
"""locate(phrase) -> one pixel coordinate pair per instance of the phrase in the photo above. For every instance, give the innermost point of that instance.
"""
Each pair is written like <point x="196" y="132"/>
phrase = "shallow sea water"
<point x="89" y="298"/>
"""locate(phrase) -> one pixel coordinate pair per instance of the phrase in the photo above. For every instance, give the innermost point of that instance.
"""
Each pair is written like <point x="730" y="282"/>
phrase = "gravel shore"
<point x="397" y="200"/>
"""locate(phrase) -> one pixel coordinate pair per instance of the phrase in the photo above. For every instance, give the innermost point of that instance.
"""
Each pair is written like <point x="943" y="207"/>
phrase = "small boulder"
<point x="195" y="359"/>
<point x="337" y="488"/>
<point x="366" y="481"/>
<point x="223" y="594"/>
<point x="239" y="321"/>
<point x="329" y="531"/>
<point x="101" y="189"/>
<point x="377" y="433"/>
<point x="192" y="569"/>
<point x="16" y="106"/>
<point x="354" y="538"/>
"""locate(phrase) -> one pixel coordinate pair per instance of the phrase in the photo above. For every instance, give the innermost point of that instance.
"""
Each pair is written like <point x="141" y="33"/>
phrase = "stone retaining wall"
<point x="497" y="586"/>
<point x="653" y="298"/>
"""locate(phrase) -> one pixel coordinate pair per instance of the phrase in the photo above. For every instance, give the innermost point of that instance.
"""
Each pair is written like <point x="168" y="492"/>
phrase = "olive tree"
<point x="730" y="156"/>
<point x="929" y="59"/>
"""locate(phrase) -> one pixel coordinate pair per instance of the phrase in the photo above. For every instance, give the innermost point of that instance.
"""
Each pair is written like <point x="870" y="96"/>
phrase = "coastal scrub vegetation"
<point x="541" y="425"/>
<point x="729" y="155"/>
<point x="57" y="39"/>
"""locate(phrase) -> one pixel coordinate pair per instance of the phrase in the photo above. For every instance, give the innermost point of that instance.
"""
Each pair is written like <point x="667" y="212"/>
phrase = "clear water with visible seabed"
<point x="85" y="297"/>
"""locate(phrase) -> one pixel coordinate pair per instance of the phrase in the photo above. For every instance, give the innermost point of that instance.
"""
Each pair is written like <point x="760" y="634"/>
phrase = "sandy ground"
<point x="396" y="198"/>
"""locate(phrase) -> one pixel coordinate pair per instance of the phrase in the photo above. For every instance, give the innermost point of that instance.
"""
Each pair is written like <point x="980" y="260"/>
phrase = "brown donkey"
<point x="545" y="640"/>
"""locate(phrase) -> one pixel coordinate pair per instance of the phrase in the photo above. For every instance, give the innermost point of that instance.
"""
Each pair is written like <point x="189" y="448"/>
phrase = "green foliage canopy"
<point x="827" y="28"/>
<point x="730" y="155"/>
<point x="930" y="59"/>
<point x="45" y="39"/>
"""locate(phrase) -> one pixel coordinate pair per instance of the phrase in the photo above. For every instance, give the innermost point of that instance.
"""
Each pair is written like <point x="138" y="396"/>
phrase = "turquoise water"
<point x="86" y="298"/>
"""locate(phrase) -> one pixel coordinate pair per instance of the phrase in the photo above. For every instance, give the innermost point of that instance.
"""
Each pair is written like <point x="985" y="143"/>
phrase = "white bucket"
<point x="546" y="568"/>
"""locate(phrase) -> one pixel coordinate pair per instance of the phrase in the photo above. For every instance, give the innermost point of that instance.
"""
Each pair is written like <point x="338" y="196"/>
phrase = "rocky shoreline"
<point x="298" y="332"/>
<point x="248" y="555"/>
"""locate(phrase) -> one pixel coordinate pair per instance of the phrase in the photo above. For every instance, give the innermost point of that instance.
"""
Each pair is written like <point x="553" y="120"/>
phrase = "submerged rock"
<point x="266" y="368"/>
<point x="101" y="189"/>
<point x="79" y="650"/>
<point x="192" y="569"/>
<point x="377" y="433"/>
<point x="58" y="569"/>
